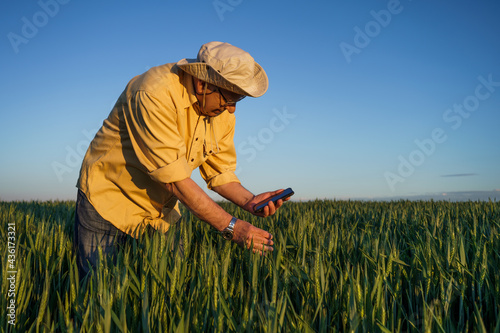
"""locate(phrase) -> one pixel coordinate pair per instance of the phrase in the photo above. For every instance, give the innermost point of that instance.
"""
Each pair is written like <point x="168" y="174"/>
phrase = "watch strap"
<point x="228" y="231"/>
<point x="232" y="223"/>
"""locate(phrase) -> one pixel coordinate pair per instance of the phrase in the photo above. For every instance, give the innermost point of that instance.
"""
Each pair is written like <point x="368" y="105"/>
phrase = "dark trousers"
<point x="91" y="232"/>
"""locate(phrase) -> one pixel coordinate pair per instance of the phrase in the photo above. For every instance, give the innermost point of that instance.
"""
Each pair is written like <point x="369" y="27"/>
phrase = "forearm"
<point x="235" y="192"/>
<point x="245" y="234"/>
<point x="197" y="201"/>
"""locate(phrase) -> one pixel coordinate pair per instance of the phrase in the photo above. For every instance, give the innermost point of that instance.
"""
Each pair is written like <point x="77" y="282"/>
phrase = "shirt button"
<point x="210" y="152"/>
<point x="192" y="160"/>
<point x="196" y="139"/>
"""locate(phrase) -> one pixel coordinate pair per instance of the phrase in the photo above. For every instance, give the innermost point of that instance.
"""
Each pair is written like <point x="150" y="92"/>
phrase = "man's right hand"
<point x="245" y="233"/>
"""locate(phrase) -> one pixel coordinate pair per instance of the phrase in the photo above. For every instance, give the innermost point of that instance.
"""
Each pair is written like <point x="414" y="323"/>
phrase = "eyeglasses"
<point x="232" y="100"/>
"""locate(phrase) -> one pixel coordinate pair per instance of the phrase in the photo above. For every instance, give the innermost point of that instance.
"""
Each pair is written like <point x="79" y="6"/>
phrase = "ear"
<point x="198" y="85"/>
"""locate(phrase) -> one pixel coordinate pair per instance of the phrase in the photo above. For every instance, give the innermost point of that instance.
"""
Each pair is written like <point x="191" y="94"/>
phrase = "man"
<point x="169" y="121"/>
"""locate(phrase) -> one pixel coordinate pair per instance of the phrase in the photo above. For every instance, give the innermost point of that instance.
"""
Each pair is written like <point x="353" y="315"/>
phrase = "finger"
<point x="272" y="208"/>
<point x="265" y="244"/>
<point x="268" y="242"/>
<point x="268" y="247"/>
<point x="258" y="243"/>
<point x="263" y="250"/>
<point x="266" y="211"/>
<point x="278" y="191"/>
<point x="279" y="203"/>
<point x="265" y="235"/>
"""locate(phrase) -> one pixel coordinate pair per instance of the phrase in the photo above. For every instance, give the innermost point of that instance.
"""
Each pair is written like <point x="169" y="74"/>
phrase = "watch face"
<point x="227" y="234"/>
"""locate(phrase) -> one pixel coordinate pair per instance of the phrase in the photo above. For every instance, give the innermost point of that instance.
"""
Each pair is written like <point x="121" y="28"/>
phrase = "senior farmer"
<point x="167" y="122"/>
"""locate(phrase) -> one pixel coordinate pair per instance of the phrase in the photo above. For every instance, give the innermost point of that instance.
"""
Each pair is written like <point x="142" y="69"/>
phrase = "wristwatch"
<point x="227" y="233"/>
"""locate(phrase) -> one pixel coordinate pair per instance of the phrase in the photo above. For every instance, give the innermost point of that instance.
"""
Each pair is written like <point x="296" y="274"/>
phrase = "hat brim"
<point x="254" y="87"/>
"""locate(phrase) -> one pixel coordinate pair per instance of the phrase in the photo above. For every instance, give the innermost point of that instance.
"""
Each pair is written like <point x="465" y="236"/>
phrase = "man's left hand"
<point x="270" y="209"/>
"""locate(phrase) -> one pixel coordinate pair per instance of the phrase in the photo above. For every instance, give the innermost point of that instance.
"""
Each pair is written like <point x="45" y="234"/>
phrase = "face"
<point x="217" y="100"/>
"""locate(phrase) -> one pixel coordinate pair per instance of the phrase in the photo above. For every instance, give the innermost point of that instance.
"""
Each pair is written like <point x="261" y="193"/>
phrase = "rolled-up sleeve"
<point x="155" y="137"/>
<point x="219" y="168"/>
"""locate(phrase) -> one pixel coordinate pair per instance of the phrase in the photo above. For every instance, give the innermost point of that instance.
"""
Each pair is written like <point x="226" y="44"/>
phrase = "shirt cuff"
<point x="221" y="179"/>
<point x="174" y="172"/>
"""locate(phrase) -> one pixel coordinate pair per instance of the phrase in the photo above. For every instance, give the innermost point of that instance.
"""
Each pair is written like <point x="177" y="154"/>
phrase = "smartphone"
<point x="283" y="195"/>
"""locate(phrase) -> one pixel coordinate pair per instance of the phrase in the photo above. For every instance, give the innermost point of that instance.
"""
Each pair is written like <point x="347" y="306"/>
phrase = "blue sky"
<point x="367" y="99"/>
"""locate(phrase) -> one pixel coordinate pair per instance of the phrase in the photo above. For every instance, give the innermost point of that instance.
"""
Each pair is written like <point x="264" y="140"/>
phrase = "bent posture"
<point x="167" y="122"/>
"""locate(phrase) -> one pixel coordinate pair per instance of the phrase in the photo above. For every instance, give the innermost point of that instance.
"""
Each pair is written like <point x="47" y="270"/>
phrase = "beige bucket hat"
<point x="227" y="67"/>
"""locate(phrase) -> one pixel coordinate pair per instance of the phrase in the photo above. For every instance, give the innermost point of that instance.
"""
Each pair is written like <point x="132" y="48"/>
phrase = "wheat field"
<point x="349" y="266"/>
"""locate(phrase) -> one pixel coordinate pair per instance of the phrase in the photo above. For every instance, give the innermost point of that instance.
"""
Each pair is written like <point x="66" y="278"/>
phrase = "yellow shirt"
<point x="154" y="136"/>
